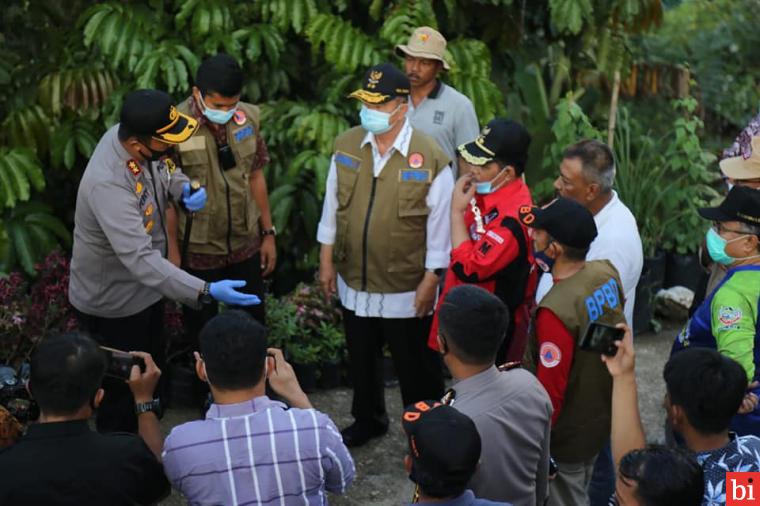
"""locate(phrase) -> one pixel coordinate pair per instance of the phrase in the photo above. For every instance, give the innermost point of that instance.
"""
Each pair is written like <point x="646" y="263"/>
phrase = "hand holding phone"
<point x="119" y="363"/>
<point x="601" y="338"/>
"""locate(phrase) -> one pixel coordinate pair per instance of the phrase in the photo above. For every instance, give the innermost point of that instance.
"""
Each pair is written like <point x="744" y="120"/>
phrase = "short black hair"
<point x="683" y="483"/>
<point x="474" y="323"/>
<point x="234" y="347"/>
<point x="220" y="74"/>
<point x="597" y="162"/>
<point x="708" y="386"/>
<point x="66" y="373"/>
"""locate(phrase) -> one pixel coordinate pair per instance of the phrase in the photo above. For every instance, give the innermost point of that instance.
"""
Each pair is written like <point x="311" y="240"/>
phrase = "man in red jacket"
<point x="489" y="246"/>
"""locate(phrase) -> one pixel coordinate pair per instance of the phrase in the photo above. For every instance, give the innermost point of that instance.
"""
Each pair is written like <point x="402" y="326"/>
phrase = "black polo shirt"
<point x="67" y="463"/>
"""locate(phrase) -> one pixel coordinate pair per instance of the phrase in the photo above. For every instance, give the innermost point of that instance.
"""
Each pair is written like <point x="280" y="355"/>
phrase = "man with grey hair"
<point x="586" y="175"/>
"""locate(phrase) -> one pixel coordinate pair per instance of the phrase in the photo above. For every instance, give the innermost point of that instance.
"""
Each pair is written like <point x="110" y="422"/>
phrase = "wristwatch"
<point x="205" y="297"/>
<point x="145" y="407"/>
<point x="269" y="231"/>
<point x="437" y="272"/>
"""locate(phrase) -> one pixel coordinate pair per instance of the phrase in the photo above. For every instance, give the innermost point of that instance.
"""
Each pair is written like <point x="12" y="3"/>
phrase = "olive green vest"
<point x="593" y="294"/>
<point x="381" y="237"/>
<point x="229" y="221"/>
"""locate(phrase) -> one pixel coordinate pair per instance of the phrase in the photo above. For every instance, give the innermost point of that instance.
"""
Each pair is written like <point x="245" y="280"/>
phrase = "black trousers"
<point x="249" y="271"/>
<point x="418" y="368"/>
<point x="143" y="331"/>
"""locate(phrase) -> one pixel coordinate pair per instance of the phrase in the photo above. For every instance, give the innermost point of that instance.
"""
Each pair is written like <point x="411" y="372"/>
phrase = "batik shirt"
<point x="742" y="454"/>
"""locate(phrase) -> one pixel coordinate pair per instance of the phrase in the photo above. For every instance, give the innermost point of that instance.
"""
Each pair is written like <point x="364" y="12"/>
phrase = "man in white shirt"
<point x="586" y="175"/>
<point x="385" y="240"/>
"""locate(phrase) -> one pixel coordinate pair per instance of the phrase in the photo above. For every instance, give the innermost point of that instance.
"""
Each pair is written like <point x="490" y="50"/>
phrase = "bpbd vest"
<point x="230" y="219"/>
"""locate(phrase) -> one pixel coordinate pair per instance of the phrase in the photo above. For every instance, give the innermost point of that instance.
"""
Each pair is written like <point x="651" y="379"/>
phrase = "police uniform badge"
<point x="170" y="165"/>
<point x="416" y="160"/>
<point x="138" y="188"/>
<point x="239" y="117"/>
<point x="134" y="167"/>
<point x="149" y="226"/>
<point x="149" y="210"/>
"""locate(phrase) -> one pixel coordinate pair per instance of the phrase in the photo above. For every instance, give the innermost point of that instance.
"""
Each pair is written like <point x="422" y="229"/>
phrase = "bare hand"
<point x="464" y="191"/>
<point x="268" y="255"/>
<point x="327" y="274"/>
<point x="143" y="385"/>
<point x="624" y="361"/>
<point x="283" y="380"/>
<point x="424" y="299"/>
<point x="750" y="401"/>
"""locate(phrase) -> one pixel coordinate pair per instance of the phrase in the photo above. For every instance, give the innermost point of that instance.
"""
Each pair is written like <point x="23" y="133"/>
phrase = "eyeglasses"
<point x="719" y="228"/>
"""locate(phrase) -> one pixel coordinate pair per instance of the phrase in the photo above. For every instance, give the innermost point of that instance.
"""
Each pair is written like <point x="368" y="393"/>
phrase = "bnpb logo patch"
<point x="550" y="355"/>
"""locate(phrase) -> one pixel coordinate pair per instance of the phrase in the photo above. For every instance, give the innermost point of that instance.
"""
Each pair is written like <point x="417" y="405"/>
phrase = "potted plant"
<point x="308" y="327"/>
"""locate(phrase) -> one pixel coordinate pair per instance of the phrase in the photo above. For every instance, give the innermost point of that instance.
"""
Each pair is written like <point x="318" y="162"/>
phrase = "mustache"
<point x="413" y="75"/>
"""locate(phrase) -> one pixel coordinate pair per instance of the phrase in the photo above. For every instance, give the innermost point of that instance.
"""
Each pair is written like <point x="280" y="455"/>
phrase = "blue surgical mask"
<point x="377" y="122"/>
<point x="486" y="187"/>
<point x="716" y="247"/>
<point x="217" y="116"/>
<point x="544" y="261"/>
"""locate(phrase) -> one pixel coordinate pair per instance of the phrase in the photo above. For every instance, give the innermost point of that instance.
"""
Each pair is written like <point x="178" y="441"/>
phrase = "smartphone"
<point x="119" y="363"/>
<point x="601" y="338"/>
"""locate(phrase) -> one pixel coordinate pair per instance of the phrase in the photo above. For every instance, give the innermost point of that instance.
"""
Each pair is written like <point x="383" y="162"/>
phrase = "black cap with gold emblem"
<point x="152" y="113"/>
<point x="502" y="139"/>
<point x="382" y="83"/>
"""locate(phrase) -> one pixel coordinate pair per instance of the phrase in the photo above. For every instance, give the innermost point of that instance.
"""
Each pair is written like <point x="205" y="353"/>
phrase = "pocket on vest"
<point x="199" y="232"/>
<point x="346" y="184"/>
<point x="404" y="256"/>
<point x="193" y="158"/>
<point x="411" y="199"/>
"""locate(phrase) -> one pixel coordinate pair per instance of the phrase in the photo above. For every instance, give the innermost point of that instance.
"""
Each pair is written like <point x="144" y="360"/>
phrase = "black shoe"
<point x="356" y="435"/>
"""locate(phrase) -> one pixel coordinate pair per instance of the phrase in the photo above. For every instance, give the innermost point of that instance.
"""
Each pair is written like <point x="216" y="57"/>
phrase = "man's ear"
<point x="200" y="367"/>
<point x="592" y="192"/>
<point x="99" y="395"/>
<point x="441" y="343"/>
<point x="510" y="172"/>
<point x="408" y="463"/>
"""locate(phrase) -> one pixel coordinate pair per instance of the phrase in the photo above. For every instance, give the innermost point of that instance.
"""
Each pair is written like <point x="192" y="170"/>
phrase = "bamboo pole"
<point x="613" y="110"/>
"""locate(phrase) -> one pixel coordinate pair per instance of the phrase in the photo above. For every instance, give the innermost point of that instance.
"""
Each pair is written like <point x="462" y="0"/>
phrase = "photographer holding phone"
<point x="578" y="383"/>
<point x="61" y="460"/>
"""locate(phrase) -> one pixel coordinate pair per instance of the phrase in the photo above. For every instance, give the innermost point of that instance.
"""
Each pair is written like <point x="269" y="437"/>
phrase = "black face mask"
<point x="156" y="155"/>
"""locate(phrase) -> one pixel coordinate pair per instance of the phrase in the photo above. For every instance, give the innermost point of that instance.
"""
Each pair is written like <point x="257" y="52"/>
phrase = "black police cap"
<point x="153" y="113"/>
<point x="741" y="204"/>
<point x="501" y="139"/>
<point x="382" y="83"/>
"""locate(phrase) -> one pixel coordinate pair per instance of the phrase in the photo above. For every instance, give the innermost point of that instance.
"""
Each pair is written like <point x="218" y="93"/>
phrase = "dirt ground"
<point x="380" y="478"/>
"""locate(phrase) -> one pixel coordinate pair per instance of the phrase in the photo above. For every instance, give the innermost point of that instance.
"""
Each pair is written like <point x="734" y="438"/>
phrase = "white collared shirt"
<point x="392" y="305"/>
<point x="617" y="241"/>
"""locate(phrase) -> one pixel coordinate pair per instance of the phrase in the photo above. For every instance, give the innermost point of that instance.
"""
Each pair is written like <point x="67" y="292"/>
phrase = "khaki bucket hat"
<point x="737" y="167"/>
<point x="425" y="42"/>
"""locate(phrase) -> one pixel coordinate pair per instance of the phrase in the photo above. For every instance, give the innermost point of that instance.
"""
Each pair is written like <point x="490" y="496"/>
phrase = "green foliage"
<point x="20" y="171"/>
<point x="31" y="232"/>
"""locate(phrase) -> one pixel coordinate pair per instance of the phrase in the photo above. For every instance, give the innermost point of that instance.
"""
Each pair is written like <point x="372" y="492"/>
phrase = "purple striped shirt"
<point x="258" y="452"/>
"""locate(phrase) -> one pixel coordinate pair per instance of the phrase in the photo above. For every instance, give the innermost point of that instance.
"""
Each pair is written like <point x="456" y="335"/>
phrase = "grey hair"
<point x="597" y="162"/>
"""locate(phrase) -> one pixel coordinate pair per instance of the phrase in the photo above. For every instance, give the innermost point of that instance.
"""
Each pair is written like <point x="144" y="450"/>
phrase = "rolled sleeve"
<point x="438" y="222"/>
<point x="327" y="228"/>
<point x="122" y="224"/>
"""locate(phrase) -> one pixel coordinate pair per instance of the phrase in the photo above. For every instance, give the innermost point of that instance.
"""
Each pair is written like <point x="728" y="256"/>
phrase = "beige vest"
<point x="229" y="221"/>
<point x="593" y="294"/>
<point x="381" y="236"/>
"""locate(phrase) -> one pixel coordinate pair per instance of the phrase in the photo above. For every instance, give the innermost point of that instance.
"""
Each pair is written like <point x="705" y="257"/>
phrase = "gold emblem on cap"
<point x="374" y="79"/>
<point x="424" y="37"/>
<point x="173" y="114"/>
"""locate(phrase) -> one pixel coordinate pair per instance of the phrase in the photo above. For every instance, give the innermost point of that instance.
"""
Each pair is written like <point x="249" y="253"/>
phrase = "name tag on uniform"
<point x="243" y="133"/>
<point x="416" y="175"/>
<point x="346" y="160"/>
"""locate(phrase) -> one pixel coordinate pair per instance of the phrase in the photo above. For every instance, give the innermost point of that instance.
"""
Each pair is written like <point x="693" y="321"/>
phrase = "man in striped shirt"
<point x="250" y="449"/>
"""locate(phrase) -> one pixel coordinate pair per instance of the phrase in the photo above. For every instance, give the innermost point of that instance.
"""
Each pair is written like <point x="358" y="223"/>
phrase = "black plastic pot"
<point x="182" y="387"/>
<point x="682" y="270"/>
<point x="651" y="280"/>
<point x="307" y="376"/>
<point x="329" y="375"/>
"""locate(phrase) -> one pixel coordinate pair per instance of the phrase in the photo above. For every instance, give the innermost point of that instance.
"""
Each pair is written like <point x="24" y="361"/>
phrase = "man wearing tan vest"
<point x="233" y="235"/>
<point x="577" y="381"/>
<point x="385" y="239"/>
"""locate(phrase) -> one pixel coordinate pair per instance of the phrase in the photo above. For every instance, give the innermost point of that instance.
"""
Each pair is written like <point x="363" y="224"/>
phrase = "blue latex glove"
<point x="196" y="201"/>
<point x="224" y="291"/>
